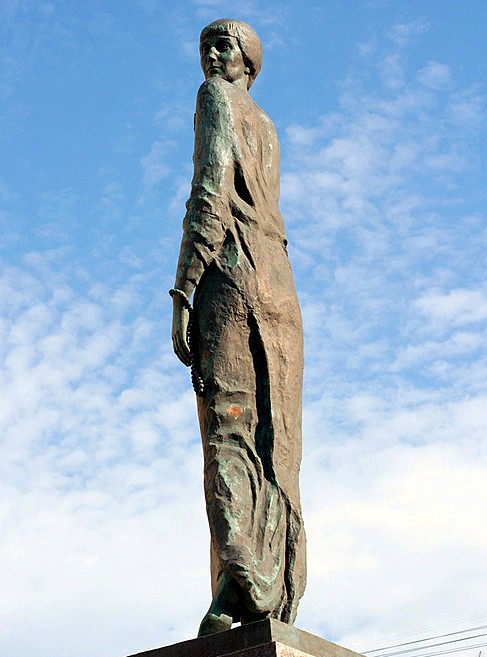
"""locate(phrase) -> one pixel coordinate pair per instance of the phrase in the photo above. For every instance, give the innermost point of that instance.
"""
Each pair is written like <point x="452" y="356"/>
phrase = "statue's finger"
<point x="182" y="349"/>
<point x="186" y="354"/>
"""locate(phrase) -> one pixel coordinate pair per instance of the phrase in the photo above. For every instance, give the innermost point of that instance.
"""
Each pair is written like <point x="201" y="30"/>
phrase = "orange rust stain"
<point x="206" y="354"/>
<point x="235" y="411"/>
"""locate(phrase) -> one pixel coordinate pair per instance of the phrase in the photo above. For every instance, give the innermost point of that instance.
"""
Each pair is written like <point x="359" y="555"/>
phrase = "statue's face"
<point x="221" y="57"/>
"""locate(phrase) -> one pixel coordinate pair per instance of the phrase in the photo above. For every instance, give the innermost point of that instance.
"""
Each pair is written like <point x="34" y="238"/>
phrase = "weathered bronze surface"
<point x="246" y="341"/>
<point x="268" y="638"/>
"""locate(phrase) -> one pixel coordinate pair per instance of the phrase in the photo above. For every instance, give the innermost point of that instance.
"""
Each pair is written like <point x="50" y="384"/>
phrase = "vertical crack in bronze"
<point x="241" y="186"/>
<point x="264" y="432"/>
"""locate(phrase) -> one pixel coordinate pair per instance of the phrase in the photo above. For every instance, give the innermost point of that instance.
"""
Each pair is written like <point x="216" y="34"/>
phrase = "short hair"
<point x="247" y="39"/>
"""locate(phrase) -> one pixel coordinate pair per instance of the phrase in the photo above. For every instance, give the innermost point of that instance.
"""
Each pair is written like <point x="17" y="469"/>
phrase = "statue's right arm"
<point x="180" y="319"/>
<point x="204" y="223"/>
<point x="189" y="272"/>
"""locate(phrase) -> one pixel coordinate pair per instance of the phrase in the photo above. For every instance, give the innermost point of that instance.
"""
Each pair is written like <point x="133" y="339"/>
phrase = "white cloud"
<point x="101" y="467"/>
<point x="467" y="107"/>
<point x="435" y="75"/>
<point x="392" y="71"/>
<point x="456" y="307"/>
<point x="403" y="33"/>
<point x="154" y="165"/>
<point x="386" y="249"/>
<point x="104" y="537"/>
<point x="394" y="514"/>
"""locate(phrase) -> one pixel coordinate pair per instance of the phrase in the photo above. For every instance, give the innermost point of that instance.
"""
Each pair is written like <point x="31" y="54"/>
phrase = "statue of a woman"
<point x="246" y="342"/>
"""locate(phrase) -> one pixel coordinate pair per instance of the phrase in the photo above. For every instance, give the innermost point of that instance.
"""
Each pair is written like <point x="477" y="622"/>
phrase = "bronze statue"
<point x="245" y="343"/>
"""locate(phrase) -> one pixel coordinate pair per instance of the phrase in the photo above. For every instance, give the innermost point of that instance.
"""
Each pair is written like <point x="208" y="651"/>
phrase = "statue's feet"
<point x="249" y="617"/>
<point x="211" y="624"/>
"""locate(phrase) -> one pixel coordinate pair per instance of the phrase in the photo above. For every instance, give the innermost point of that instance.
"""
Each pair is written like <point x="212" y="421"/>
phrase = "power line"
<point x="452" y="650"/>
<point x="361" y="650"/>
<point x="433" y="645"/>
<point x="430" y="638"/>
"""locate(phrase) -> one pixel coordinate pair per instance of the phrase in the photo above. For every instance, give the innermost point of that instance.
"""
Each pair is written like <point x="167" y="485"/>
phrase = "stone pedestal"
<point x="267" y="638"/>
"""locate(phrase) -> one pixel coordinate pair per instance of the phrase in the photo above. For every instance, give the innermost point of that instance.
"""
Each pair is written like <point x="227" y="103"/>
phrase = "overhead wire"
<point x="363" y="650"/>
<point x="431" y="638"/>
<point x="452" y="650"/>
<point x="438" y="636"/>
<point x="433" y="645"/>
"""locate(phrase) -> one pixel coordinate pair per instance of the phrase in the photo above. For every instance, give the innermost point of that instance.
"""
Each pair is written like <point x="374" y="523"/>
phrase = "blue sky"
<point x="381" y="111"/>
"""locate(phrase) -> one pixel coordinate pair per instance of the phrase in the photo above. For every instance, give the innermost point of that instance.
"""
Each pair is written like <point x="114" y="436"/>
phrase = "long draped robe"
<point x="247" y="337"/>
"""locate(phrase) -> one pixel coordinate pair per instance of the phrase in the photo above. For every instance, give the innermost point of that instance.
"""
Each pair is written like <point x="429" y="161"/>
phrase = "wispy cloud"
<point x="100" y="461"/>
<point x="101" y="498"/>
<point x="385" y="245"/>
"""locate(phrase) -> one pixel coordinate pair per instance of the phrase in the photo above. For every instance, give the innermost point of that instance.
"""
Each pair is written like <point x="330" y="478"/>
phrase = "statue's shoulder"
<point x="214" y="88"/>
<point x="220" y="91"/>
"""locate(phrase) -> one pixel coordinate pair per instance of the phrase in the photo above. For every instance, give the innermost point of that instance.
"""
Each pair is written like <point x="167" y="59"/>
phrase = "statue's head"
<point x="245" y="37"/>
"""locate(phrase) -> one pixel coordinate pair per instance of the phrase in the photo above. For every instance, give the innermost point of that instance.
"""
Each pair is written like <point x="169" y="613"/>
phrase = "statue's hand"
<point x="180" y="319"/>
